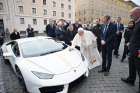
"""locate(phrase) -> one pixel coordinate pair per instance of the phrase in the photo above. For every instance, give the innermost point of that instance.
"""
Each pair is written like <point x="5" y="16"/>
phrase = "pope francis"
<point x="86" y="40"/>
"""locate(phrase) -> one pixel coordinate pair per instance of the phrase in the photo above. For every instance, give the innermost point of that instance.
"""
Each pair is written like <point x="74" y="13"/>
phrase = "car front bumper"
<point x="35" y="86"/>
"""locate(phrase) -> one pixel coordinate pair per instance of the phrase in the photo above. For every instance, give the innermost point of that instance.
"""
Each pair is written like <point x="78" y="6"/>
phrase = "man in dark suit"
<point x="134" y="47"/>
<point x="30" y="31"/>
<point x="107" y="41"/>
<point x="1" y="38"/>
<point x="76" y="25"/>
<point x="97" y="32"/>
<point x="50" y="30"/>
<point x="15" y="35"/>
<point x="118" y="37"/>
<point x="59" y="31"/>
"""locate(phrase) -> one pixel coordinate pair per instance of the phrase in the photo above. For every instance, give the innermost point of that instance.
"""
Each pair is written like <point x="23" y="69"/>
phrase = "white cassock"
<point x="88" y="48"/>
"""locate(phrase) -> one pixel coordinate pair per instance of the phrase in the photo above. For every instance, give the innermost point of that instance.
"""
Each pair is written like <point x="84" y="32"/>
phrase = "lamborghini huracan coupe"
<point x="44" y="65"/>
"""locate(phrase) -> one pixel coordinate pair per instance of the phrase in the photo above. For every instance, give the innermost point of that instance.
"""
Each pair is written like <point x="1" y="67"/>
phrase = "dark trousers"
<point x="106" y="57"/>
<point x="99" y="44"/>
<point x="137" y="65"/>
<point x="132" y="69"/>
<point x="117" y="44"/>
<point x="125" y="52"/>
<point x="1" y="41"/>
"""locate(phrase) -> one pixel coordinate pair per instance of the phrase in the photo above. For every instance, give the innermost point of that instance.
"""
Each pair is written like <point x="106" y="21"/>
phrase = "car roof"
<point x="23" y="40"/>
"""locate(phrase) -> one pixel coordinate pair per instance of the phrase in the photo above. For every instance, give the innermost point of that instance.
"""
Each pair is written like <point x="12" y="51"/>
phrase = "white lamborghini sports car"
<point x="44" y="65"/>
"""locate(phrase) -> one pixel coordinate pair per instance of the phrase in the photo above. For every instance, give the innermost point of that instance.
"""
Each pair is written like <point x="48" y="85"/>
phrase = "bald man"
<point x="134" y="59"/>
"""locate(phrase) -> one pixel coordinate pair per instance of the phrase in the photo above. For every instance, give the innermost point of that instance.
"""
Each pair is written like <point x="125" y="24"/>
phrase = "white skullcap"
<point x="80" y="29"/>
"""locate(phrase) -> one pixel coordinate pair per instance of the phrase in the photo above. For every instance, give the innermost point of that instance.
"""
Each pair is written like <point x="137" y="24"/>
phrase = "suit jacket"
<point x="121" y="28"/>
<point x="14" y="36"/>
<point x="97" y="30"/>
<point x="59" y="32"/>
<point x="108" y="36"/>
<point x="30" y="32"/>
<point x="68" y="36"/>
<point x="50" y="30"/>
<point x="1" y="38"/>
<point x="135" y="40"/>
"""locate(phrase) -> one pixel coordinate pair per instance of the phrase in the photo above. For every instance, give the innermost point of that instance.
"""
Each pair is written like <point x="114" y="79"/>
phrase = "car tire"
<point x="21" y="79"/>
<point x="6" y="61"/>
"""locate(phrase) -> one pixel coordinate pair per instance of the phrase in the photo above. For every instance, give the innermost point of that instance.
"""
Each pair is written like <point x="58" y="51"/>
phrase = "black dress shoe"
<point x="138" y="91"/>
<point x="101" y="71"/>
<point x="126" y="80"/>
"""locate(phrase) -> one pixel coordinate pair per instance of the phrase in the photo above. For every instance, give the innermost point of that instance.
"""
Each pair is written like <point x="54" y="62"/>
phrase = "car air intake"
<point x="52" y="89"/>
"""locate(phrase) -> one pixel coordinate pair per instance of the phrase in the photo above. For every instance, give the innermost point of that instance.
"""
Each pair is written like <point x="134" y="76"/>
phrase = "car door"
<point x="14" y="53"/>
<point x="6" y="49"/>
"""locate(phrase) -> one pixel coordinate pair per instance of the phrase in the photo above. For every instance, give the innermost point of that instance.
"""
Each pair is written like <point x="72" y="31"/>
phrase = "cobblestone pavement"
<point x="1" y="80"/>
<point x="96" y="83"/>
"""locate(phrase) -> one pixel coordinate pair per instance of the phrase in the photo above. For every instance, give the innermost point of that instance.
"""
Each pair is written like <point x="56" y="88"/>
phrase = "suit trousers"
<point x="117" y="44"/>
<point x="106" y="57"/>
<point x="99" y="44"/>
<point x="125" y="52"/>
<point x="137" y="65"/>
<point x="132" y="69"/>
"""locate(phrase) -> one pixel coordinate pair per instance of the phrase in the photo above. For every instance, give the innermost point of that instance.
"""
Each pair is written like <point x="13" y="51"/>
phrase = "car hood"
<point x="59" y="62"/>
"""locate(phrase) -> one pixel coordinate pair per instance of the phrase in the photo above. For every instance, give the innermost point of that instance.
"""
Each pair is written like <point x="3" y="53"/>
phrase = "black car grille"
<point x="52" y="89"/>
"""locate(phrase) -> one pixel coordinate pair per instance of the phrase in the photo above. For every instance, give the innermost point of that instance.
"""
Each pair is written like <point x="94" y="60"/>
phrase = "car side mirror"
<point x="7" y="54"/>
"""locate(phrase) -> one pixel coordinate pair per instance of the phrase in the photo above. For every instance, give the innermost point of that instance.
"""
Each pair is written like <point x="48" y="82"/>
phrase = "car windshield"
<point x="41" y="47"/>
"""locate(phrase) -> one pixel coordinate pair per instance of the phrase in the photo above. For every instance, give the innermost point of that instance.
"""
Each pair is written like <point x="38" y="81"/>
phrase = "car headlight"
<point x="41" y="75"/>
<point x="83" y="58"/>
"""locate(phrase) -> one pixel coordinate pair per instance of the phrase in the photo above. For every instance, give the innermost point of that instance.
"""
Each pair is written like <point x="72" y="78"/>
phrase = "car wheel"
<point x="21" y="79"/>
<point x="86" y="74"/>
<point x="6" y="61"/>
